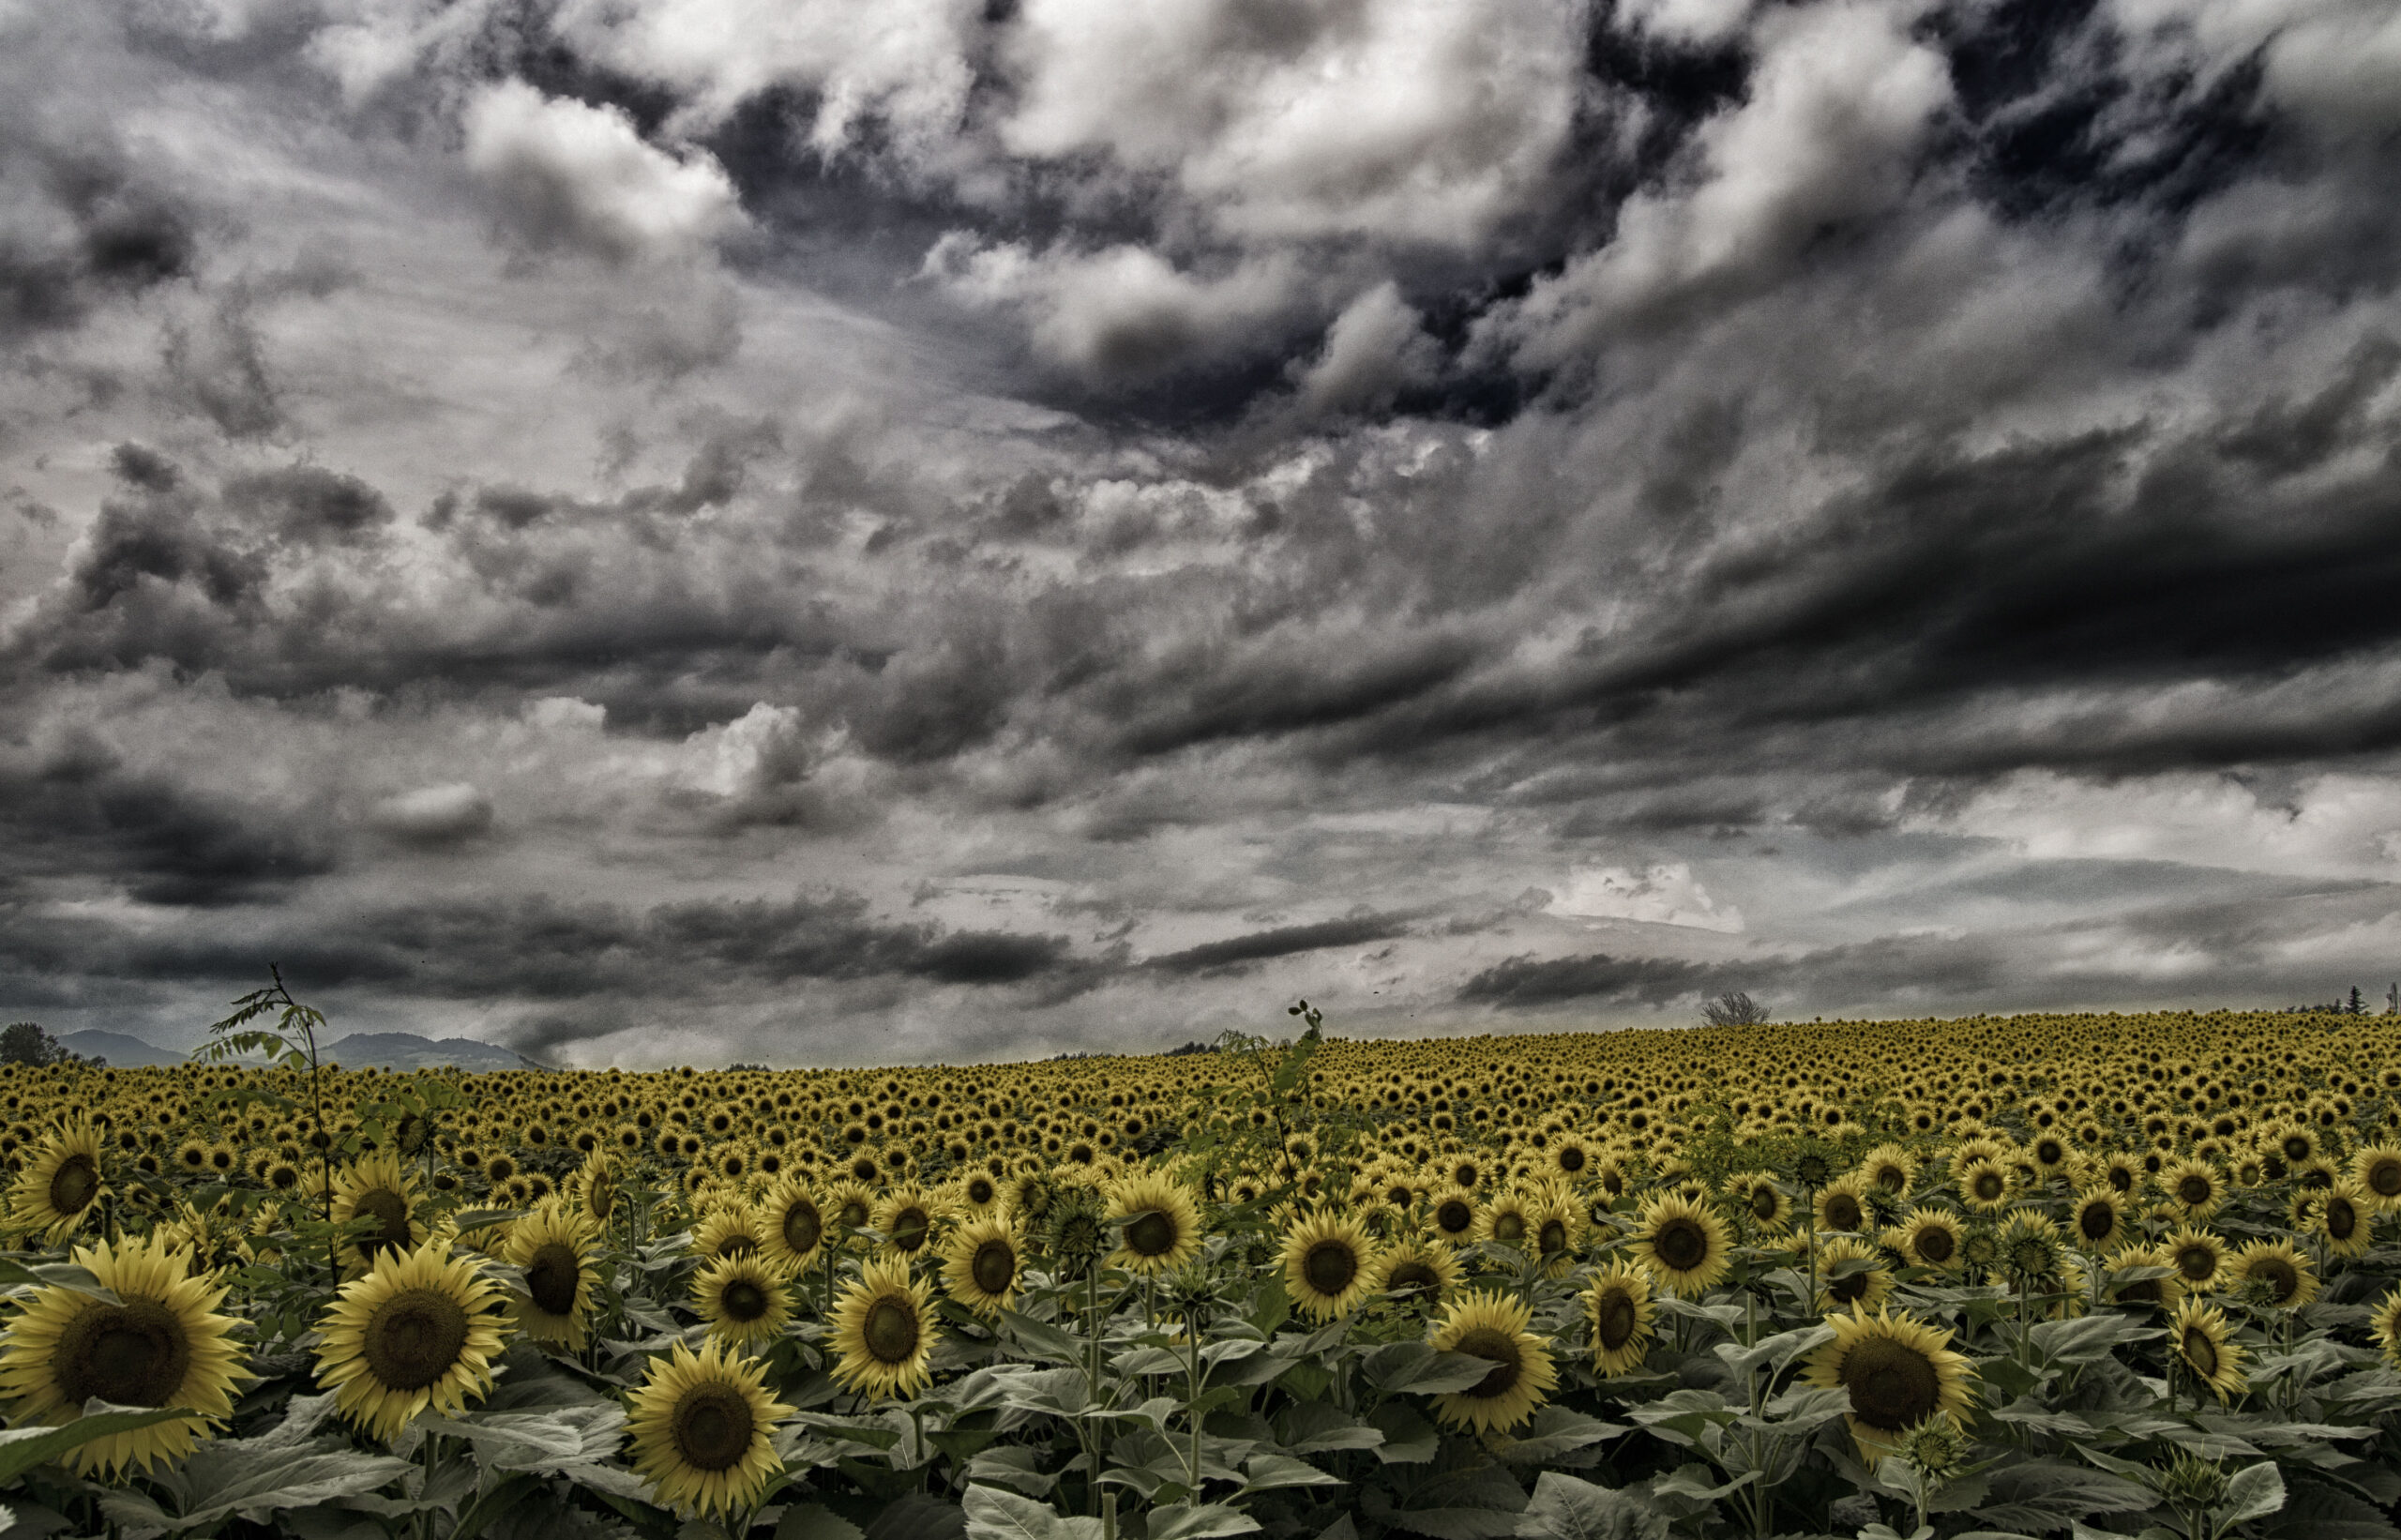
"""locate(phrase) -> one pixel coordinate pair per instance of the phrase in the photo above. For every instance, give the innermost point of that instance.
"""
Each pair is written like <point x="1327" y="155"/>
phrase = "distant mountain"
<point x="407" y="1051"/>
<point x="120" y="1051"/>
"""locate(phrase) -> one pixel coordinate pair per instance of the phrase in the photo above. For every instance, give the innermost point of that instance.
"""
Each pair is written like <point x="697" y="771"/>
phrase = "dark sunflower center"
<point x="2193" y="1189"/>
<point x="994" y="1266"/>
<point x="1848" y="1291"/>
<point x="413" y="1338"/>
<point x="1842" y="1212"/>
<point x="2297" y="1149"/>
<point x="1151" y="1234"/>
<point x="2122" y="1179"/>
<point x="891" y="1331"/>
<point x="909" y="1228"/>
<point x="283" y="1178"/>
<point x="2279" y="1274"/>
<point x="1552" y="1238"/>
<point x="2341" y="1218"/>
<point x="1765" y="1201"/>
<point x="1892" y="1178"/>
<point x="1989" y="1186"/>
<point x="852" y="1215"/>
<point x="736" y="1244"/>
<point x="1681" y="1244"/>
<point x="2145" y="1293"/>
<point x="601" y="1200"/>
<point x="1500" y="1350"/>
<point x="390" y="1212"/>
<point x="2195" y="1262"/>
<point x="1509" y="1228"/>
<point x="1453" y="1217"/>
<point x="1615" y="1320"/>
<point x="2200" y="1350"/>
<point x="1936" y="1244"/>
<point x="1330" y="1266"/>
<point x="1571" y="1160"/>
<point x="1411" y="1275"/>
<point x="713" y="1426"/>
<point x="135" y="1354"/>
<point x="803" y="1228"/>
<point x="74" y="1184"/>
<point x="2095" y="1221"/>
<point x="551" y="1277"/>
<point x="2048" y="1151"/>
<point x="1892" y="1384"/>
<point x="742" y="1302"/>
<point x="2385" y="1177"/>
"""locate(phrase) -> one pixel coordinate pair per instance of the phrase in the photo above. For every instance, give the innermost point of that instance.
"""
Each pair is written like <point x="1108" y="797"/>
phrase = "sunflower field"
<point x="2033" y="1275"/>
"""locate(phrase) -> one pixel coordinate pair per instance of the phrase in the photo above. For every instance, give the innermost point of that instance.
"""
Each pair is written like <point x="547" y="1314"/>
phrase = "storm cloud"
<point x="655" y="531"/>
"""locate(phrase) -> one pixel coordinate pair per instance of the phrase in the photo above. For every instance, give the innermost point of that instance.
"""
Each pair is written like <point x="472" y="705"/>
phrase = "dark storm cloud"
<point x="1282" y="941"/>
<point x="1524" y="981"/>
<point x="84" y="228"/>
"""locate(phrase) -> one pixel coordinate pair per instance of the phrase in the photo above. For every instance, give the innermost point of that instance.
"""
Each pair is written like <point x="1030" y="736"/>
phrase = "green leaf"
<point x="1780" y="1350"/>
<point x="1409" y="1437"/>
<point x="1565" y="1508"/>
<point x="1186" y="1521"/>
<point x="24" y="1448"/>
<point x="1004" y="1516"/>
<point x="231" y="1479"/>
<point x="1557" y="1431"/>
<point x="15" y="1273"/>
<point x="810" y="1521"/>
<point x="2255" y="1492"/>
<point x="1267" y="1472"/>
<point x="2087" y="1338"/>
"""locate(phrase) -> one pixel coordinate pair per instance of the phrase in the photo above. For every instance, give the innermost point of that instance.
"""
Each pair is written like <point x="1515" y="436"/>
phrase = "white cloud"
<point x="762" y="747"/>
<point x="1665" y="894"/>
<point x="571" y="175"/>
<point x="432" y="815"/>
<point x="1686" y="21"/>
<point x="1375" y="348"/>
<point x="2335" y="63"/>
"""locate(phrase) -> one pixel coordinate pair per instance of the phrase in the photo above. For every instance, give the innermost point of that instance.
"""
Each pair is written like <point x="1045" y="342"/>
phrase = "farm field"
<point x="2032" y="1275"/>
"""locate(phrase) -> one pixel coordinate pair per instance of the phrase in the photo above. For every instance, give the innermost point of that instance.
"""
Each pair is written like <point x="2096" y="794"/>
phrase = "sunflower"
<point x="2197" y="1254"/>
<point x="1419" y="1272"/>
<point x="1928" y="1237"/>
<point x="2098" y="1221"/>
<point x="376" y="1195"/>
<point x="1453" y="1214"/>
<point x="1492" y="1326"/>
<point x="727" y="1229"/>
<point x="742" y="1299"/>
<point x="60" y="1183"/>
<point x="980" y="1264"/>
<point x="1507" y="1220"/>
<point x="703" y="1429"/>
<point x="2120" y="1173"/>
<point x="2342" y="1215"/>
<point x="1617" y="1306"/>
<point x="883" y="1326"/>
<point x="848" y="1206"/>
<point x="1899" y="1372"/>
<point x="2205" y="1346"/>
<point x="2165" y="1293"/>
<point x="1986" y="1185"/>
<point x="1683" y="1243"/>
<point x="1891" y="1168"/>
<point x="1764" y="1202"/>
<point x="2387" y="1320"/>
<point x="419" y="1330"/>
<point x="791" y="1224"/>
<point x="2195" y="1188"/>
<point x="2377" y="1169"/>
<point x="1558" y="1229"/>
<point x="1326" y="1261"/>
<point x="2281" y="1275"/>
<point x="908" y="1216"/>
<point x="1160" y="1223"/>
<point x="553" y="1247"/>
<point x="1864" y="1288"/>
<point x="2030" y="1247"/>
<point x="162" y="1345"/>
<point x="1842" y="1204"/>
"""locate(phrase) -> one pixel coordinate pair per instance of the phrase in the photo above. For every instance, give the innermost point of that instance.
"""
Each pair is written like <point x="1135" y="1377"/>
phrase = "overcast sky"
<point x="661" y="531"/>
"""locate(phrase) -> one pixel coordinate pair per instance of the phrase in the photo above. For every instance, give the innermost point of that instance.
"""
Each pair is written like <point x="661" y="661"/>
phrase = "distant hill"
<point x="407" y="1051"/>
<point x="120" y="1051"/>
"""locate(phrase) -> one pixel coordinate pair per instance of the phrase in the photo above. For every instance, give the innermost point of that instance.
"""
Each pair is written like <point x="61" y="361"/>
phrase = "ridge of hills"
<point x="384" y="1049"/>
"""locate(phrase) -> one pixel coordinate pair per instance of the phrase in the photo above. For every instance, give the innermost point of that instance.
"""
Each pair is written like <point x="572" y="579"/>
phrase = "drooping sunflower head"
<point x="553" y="1247"/>
<point x="1683" y="1243"/>
<point x="981" y="1263"/>
<point x="703" y="1427"/>
<point x="162" y="1345"/>
<point x="1764" y="1202"/>
<point x="59" y="1186"/>
<point x="1618" y="1307"/>
<point x="1158" y="1225"/>
<point x="883" y="1330"/>
<point x="2205" y="1346"/>
<point x="743" y="1299"/>
<point x="1493" y="1327"/>
<point x="1327" y="1261"/>
<point x="1852" y="1276"/>
<point x="376" y="1196"/>
<point x="1416" y="1272"/>
<point x="2030" y="1246"/>
<point x="2278" y="1274"/>
<point x="1898" y="1372"/>
<point x="417" y="1330"/>
<point x="2160" y="1293"/>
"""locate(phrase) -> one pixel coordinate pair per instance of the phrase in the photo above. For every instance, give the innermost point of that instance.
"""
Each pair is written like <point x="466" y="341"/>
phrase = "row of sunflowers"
<point x="2036" y="1276"/>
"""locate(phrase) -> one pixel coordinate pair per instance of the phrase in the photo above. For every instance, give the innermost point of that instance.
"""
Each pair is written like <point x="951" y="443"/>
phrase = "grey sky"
<point x="676" y="530"/>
